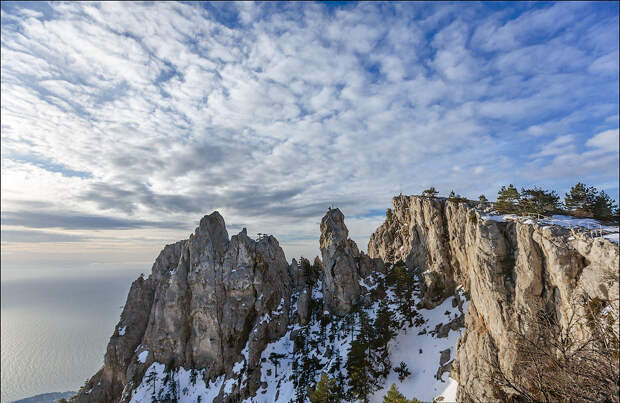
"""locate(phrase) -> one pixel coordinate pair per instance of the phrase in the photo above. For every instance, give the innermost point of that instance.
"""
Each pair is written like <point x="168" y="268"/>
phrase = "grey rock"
<point x="202" y="303"/>
<point x="340" y="258"/>
<point x="509" y="269"/>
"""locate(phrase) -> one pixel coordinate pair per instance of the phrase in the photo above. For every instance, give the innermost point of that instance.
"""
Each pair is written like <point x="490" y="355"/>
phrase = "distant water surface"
<point x="55" y="329"/>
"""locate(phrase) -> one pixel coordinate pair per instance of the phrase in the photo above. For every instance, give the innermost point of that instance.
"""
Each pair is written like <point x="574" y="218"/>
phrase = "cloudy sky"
<point x="123" y="124"/>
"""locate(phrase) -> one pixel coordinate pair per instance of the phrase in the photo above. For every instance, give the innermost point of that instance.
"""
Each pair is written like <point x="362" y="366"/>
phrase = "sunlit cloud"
<point x="145" y="116"/>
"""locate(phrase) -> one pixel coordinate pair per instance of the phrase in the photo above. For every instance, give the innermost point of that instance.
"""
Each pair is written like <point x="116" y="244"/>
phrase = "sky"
<point x="124" y="123"/>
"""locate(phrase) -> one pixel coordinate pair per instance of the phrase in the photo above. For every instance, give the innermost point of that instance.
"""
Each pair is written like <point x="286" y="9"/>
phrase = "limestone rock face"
<point x="340" y="263"/>
<point x="510" y="270"/>
<point x="206" y="298"/>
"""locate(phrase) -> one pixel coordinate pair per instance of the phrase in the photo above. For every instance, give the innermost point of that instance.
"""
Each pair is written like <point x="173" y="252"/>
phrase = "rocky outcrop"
<point x="214" y="303"/>
<point x="510" y="270"/>
<point x="205" y="301"/>
<point x="343" y="264"/>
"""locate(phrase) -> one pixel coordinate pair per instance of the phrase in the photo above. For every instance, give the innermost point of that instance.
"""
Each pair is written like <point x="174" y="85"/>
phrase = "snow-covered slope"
<point x="292" y="365"/>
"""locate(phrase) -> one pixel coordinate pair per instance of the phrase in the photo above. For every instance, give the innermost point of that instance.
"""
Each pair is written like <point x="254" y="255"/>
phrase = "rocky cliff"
<point x="213" y="303"/>
<point x="228" y="319"/>
<point x="512" y="270"/>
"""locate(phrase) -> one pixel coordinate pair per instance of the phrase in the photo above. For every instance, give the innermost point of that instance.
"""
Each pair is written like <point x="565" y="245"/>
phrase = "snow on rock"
<point x="178" y="385"/>
<point x="449" y="393"/>
<point x="561" y="220"/>
<point x="612" y="237"/>
<point x="143" y="356"/>
<point x="418" y="346"/>
<point x="500" y="218"/>
<point x="121" y="331"/>
<point x="568" y="221"/>
<point x="421" y="353"/>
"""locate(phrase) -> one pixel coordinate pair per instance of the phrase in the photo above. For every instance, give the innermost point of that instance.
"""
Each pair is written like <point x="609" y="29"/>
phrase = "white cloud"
<point x="607" y="140"/>
<point x="271" y="117"/>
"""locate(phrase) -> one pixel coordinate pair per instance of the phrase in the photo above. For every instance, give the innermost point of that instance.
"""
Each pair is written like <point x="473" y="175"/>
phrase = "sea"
<point x="55" y="328"/>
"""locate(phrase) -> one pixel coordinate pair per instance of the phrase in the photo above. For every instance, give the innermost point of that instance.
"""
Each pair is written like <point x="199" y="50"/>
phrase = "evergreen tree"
<point x="384" y="326"/>
<point x="326" y="391"/>
<point x="456" y="197"/>
<point x="483" y="199"/>
<point x="603" y="206"/>
<point x="403" y="283"/>
<point x="580" y="198"/>
<point x="358" y="370"/>
<point x="507" y="199"/>
<point x="151" y="378"/>
<point x="430" y="192"/>
<point x="402" y="371"/>
<point x="275" y="360"/>
<point x="360" y="361"/>
<point x="394" y="396"/>
<point x="538" y="201"/>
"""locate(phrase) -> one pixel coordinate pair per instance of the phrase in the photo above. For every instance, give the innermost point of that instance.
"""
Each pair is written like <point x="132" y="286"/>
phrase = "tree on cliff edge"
<point x="430" y="192"/>
<point x="507" y="200"/>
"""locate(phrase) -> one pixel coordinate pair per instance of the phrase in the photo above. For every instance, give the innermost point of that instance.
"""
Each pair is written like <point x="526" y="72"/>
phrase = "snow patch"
<point x="176" y="385"/>
<point x="143" y="356"/>
<point x="612" y="237"/>
<point x="121" y="331"/>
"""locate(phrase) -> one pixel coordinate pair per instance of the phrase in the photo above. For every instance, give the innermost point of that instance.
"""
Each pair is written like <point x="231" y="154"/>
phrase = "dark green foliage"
<point x="403" y="283"/>
<point x="151" y="379"/>
<point x="402" y="371"/>
<point x="586" y="201"/>
<point x="456" y="197"/>
<point x="604" y="207"/>
<point x="326" y="391"/>
<point x="538" y="201"/>
<point x="580" y="198"/>
<point x="275" y="360"/>
<point x="430" y="192"/>
<point x="364" y="363"/>
<point x="394" y="396"/>
<point x="507" y="200"/>
<point x="385" y="329"/>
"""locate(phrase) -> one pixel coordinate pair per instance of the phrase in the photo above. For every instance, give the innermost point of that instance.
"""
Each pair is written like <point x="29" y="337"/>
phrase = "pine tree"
<point x="456" y="197"/>
<point x="507" y="199"/>
<point x="326" y="391"/>
<point x="580" y="198"/>
<point x="384" y="326"/>
<point x="603" y="206"/>
<point x="394" y="396"/>
<point x="402" y="371"/>
<point x="483" y="199"/>
<point x="362" y="380"/>
<point x="275" y="360"/>
<point x="151" y="378"/>
<point x="538" y="201"/>
<point x="403" y="282"/>
<point x="430" y="192"/>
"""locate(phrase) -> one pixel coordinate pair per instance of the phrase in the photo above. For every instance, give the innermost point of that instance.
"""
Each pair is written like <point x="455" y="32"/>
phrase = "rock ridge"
<point x="509" y="269"/>
<point x="213" y="303"/>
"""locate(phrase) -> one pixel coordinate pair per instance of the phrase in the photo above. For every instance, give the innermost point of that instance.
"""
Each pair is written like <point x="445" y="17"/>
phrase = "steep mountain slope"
<point x="230" y="320"/>
<point x="513" y="270"/>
